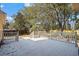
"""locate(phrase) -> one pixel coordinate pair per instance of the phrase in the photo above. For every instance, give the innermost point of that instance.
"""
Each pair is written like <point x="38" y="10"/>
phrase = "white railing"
<point x="10" y="34"/>
<point x="70" y="37"/>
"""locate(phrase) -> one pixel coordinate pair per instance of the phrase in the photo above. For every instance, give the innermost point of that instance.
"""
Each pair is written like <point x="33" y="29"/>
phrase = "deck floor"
<point x="38" y="48"/>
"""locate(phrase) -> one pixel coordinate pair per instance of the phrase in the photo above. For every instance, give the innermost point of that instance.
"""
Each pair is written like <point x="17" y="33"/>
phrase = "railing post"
<point x="17" y="35"/>
<point x="75" y="39"/>
<point x="51" y="34"/>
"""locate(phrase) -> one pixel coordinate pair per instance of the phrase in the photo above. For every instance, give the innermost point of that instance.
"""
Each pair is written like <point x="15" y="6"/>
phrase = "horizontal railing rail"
<point x="8" y="34"/>
<point x="70" y="37"/>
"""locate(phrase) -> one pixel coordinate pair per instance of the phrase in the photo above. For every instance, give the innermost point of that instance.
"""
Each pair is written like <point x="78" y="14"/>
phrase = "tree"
<point x="62" y="14"/>
<point x="77" y="24"/>
<point x="58" y="13"/>
<point x="51" y="16"/>
<point x="6" y="26"/>
<point x="21" y="24"/>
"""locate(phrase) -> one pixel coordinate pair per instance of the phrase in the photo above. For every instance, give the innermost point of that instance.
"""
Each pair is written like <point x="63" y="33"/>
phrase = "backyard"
<point x="39" y="45"/>
<point x="41" y="29"/>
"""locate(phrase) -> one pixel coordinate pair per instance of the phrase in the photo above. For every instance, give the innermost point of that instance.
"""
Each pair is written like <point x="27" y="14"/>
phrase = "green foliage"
<point x="50" y="15"/>
<point x="77" y="24"/>
<point x="21" y="23"/>
<point x="6" y="26"/>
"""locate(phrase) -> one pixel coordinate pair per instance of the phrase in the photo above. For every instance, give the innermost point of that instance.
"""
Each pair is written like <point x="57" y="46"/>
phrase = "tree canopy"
<point x="49" y="15"/>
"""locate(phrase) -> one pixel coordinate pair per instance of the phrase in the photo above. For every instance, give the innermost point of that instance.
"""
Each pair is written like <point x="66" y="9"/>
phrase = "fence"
<point x="70" y="37"/>
<point x="10" y="35"/>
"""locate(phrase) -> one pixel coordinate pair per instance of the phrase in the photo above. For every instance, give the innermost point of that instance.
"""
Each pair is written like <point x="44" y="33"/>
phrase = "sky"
<point x="12" y="8"/>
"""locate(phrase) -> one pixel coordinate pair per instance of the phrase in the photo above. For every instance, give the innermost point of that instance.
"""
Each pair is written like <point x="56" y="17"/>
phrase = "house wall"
<point x="2" y="22"/>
